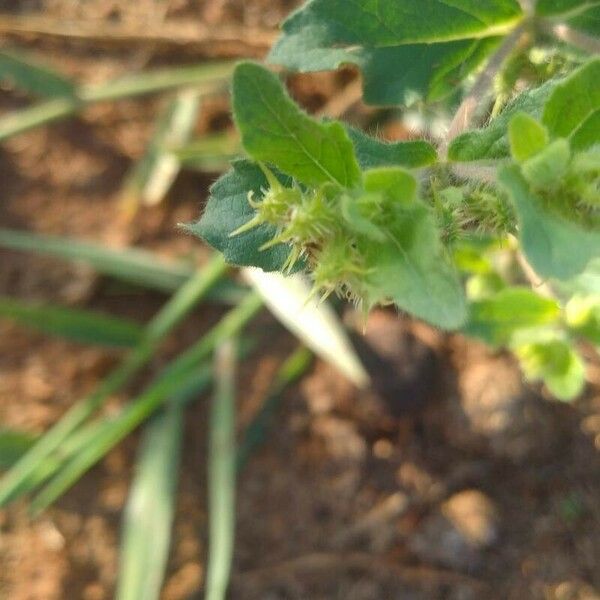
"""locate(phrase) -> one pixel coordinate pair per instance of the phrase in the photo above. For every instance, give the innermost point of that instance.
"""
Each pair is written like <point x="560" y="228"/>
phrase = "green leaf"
<point x="546" y="169"/>
<point x="30" y="75"/>
<point x="554" y="246"/>
<point x="495" y="319"/>
<point x="573" y="100"/>
<point x="392" y="75"/>
<point x="583" y="316"/>
<point x="275" y="130"/>
<point x="527" y="137"/>
<point x="587" y="22"/>
<point x="13" y="445"/>
<point x="79" y="325"/>
<point x="150" y="508"/>
<point x="379" y="23"/>
<point x="491" y="142"/>
<point x="228" y="209"/>
<point x="547" y="8"/>
<point x="410" y="268"/>
<point x="587" y="282"/>
<point x="372" y="152"/>
<point x="557" y="364"/>
<point x="587" y="134"/>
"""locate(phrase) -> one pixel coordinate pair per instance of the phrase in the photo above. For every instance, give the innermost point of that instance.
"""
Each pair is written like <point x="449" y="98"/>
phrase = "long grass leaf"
<point x="13" y="444"/>
<point x="221" y="474"/>
<point x="152" y="176"/>
<point x="127" y="264"/>
<point x="171" y="314"/>
<point x="130" y="265"/>
<point x="78" y="325"/>
<point x="314" y="323"/>
<point x="148" y="517"/>
<point x="29" y="74"/>
<point x="172" y="379"/>
<point x="207" y="79"/>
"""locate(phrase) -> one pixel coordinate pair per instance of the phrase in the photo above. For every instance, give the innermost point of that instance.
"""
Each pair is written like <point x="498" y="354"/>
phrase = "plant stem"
<point x="466" y="111"/>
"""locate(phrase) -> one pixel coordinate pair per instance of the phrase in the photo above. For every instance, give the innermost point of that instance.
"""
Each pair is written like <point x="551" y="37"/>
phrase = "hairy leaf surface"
<point x="275" y="130"/>
<point x="573" y="100"/>
<point x="380" y="23"/>
<point x="228" y="208"/>
<point x="372" y="152"/>
<point x="554" y="247"/>
<point x="391" y="75"/>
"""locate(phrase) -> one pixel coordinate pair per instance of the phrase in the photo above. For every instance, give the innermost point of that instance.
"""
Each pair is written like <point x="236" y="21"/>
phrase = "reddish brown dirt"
<point x="455" y="481"/>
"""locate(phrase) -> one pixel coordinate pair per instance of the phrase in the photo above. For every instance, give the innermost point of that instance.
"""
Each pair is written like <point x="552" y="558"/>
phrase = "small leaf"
<point x="372" y="152"/>
<point x="527" y="137"/>
<point x="554" y="247"/>
<point x="228" y="209"/>
<point x="573" y="100"/>
<point x="557" y="364"/>
<point x="275" y="130"/>
<point x="411" y="269"/>
<point x="495" y="319"/>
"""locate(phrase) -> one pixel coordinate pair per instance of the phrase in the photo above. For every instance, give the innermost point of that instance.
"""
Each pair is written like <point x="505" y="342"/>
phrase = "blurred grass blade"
<point x="13" y="444"/>
<point x="290" y="371"/>
<point x="210" y="153"/>
<point x="314" y="323"/>
<point x="221" y="474"/>
<point x="207" y="78"/>
<point x="150" y="508"/>
<point x="130" y="265"/>
<point x="154" y="173"/>
<point x="204" y="77"/>
<point x="26" y="73"/>
<point x="78" y="325"/>
<point x="127" y="264"/>
<point x="173" y="379"/>
<point x="166" y="319"/>
<point x="111" y="432"/>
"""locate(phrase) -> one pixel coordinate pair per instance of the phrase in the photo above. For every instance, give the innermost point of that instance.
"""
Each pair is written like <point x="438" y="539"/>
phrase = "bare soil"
<point x="453" y="479"/>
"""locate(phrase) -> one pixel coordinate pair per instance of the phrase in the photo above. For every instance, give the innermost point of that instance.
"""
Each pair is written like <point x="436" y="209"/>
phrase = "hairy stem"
<point x="466" y="111"/>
